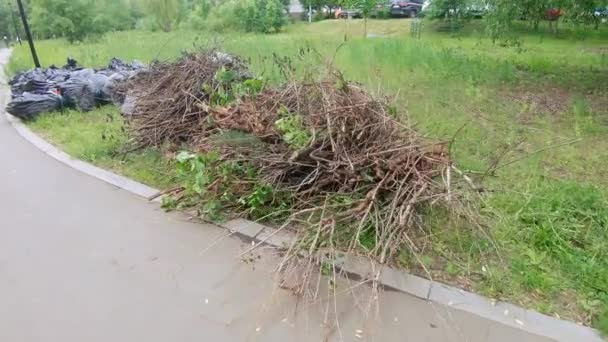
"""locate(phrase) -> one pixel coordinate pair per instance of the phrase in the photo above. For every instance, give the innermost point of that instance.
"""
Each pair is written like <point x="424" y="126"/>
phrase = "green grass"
<point x="98" y="137"/>
<point x="546" y="212"/>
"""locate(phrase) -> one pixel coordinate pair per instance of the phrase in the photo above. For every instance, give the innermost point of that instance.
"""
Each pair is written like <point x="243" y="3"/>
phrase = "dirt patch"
<point x="555" y="102"/>
<point x="598" y="50"/>
<point x="552" y="101"/>
<point x="598" y="102"/>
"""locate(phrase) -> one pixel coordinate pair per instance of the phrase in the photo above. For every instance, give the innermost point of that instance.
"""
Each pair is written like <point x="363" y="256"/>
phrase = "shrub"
<point x="166" y="13"/>
<point x="263" y="16"/>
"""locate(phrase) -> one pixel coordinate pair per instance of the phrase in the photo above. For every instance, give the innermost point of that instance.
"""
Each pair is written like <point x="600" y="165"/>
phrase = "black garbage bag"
<point x="86" y="89"/>
<point x="98" y="83"/>
<point x="74" y="87"/>
<point x="37" y="85"/>
<point x="77" y="93"/>
<point x="117" y="64"/>
<point x="110" y="91"/>
<point x="137" y="65"/>
<point x="33" y="81"/>
<point x="71" y="63"/>
<point x="28" y="106"/>
<point x="86" y="72"/>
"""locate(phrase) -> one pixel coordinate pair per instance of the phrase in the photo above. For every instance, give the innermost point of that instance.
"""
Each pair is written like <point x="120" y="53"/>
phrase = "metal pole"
<point x="28" y="34"/>
<point x="15" y="23"/>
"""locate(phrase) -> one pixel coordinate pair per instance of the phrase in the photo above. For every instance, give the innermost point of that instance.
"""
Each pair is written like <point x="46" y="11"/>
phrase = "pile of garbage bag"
<point x="40" y="91"/>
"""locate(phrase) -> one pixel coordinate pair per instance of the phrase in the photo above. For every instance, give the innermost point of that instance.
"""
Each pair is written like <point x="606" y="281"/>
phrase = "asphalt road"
<point x="81" y="260"/>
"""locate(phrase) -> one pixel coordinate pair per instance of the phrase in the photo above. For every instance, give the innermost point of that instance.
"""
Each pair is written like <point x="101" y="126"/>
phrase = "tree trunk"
<point x="365" y="27"/>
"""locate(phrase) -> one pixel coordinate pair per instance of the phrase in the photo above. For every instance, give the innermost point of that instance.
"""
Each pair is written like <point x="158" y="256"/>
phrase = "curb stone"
<point x="503" y="313"/>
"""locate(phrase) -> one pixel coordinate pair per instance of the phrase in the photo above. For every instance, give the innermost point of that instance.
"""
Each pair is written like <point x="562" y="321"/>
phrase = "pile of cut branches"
<point x="172" y="98"/>
<point x="346" y="174"/>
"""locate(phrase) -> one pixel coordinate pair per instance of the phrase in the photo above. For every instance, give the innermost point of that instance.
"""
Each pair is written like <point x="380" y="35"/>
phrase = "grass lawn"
<point x="537" y="112"/>
<point x="97" y="137"/>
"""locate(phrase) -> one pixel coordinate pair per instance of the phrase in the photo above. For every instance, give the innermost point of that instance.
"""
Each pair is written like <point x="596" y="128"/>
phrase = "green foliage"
<point x="265" y="202"/>
<point x="293" y="131"/>
<point x="217" y="188"/>
<point x="263" y="16"/>
<point x="500" y="21"/>
<point x="205" y="179"/>
<point x="114" y="16"/>
<point x="70" y="18"/>
<point x="79" y="19"/>
<point x="503" y="14"/>
<point x="223" y="17"/>
<point x="8" y="18"/>
<point x="166" y="13"/>
<point x="228" y="87"/>
<point x="320" y="5"/>
<point x="449" y="8"/>
<point x="199" y="15"/>
<point x="383" y="13"/>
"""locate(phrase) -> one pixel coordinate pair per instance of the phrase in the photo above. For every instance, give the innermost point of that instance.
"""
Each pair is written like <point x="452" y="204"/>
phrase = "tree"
<point x="366" y="7"/>
<point x="583" y="12"/>
<point x="166" y="13"/>
<point x="115" y="15"/>
<point x="72" y="19"/>
<point x="79" y="19"/>
<point x="7" y="20"/>
<point x="264" y="16"/>
<point x="203" y="7"/>
<point x="274" y="16"/>
<point x="449" y="8"/>
<point x="504" y="13"/>
<point x="500" y="19"/>
<point x="314" y="4"/>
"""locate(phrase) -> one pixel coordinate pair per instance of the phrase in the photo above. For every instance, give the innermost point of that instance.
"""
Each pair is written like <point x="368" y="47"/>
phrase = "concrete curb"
<point x="91" y="170"/>
<point x="507" y="314"/>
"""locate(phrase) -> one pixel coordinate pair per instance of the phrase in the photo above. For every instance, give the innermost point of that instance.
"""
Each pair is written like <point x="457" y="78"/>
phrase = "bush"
<point x="166" y="13"/>
<point x="319" y="16"/>
<point x="223" y="17"/>
<point x="263" y="16"/>
<point x="199" y="14"/>
<point x="384" y="13"/>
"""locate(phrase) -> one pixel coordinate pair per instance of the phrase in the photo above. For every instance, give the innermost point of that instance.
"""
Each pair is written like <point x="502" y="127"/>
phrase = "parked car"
<point x="601" y="12"/>
<point x="477" y="11"/>
<point x="348" y="13"/>
<point x="409" y="8"/>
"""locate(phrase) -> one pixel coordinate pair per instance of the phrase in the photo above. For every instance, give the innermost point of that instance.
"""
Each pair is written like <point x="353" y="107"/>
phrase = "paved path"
<point x="83" y="261"/>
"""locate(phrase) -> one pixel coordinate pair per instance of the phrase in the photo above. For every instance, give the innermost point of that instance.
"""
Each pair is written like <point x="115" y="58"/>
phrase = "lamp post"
<point x="28" y="34"/>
